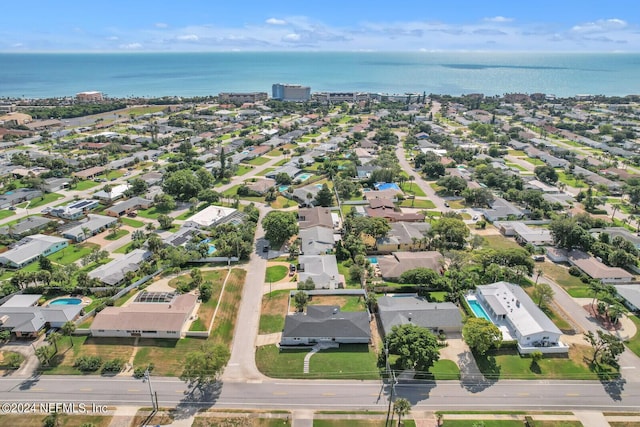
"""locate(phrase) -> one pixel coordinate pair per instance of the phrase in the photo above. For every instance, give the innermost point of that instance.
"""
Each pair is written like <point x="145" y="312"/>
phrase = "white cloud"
<point x="601" y="25"/>
<point x="131" y="46"/>
<point x="276" y="21"/>
<point x="498" y="19"/>
<point x="113" y="38"/>
<point x="161" y="25"/>
<point x="188" y="38"/>
<point x="291" y="37"/>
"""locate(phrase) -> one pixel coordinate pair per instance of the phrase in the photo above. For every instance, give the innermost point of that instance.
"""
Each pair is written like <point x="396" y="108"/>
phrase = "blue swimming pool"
<point x="387" y="186"/>
<point x="477" y="309"/>
<point x="212" y="249"/>
<point x="373" y="260"/>
<point x="304" y="176"/>
<point x="283" y="188"/>
<point x="66" y="301"/>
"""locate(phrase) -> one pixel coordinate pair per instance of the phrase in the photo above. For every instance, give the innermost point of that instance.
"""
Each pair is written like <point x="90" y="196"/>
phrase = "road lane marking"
<point x="133" y="390"/>
<point x="328" y="394"/>
<point x="280" y="393"/>
<point x="37" y="389"/>
<point x="86" y="389"/>
<point x="573" y="394"/>
<point x="523" y="394"/>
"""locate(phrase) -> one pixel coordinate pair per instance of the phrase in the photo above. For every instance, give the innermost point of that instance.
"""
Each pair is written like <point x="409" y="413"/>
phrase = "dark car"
<point x="265" y="249"/>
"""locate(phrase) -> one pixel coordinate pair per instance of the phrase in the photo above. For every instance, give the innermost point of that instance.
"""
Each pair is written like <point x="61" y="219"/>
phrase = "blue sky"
<point x="346" y="25"/>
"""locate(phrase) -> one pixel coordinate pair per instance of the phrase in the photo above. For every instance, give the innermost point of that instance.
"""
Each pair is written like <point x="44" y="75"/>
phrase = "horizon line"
<point x="137" y="52"/>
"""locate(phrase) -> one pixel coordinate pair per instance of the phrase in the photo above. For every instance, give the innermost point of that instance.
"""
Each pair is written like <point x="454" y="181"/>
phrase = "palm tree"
<point x="87" y="233"/>
<point x="596" y="287"/>
<point x="539" y="273"/>
<point x="615" y="312"/>
<point x="42" y="353"/>
<point x="401" y="407"/>
<point x="67" y="329"/>
<point x="53" y="338"/>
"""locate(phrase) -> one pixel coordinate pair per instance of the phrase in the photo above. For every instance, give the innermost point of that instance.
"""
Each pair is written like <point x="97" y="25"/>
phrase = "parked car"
<point x="265" y="248"/>
<point x="132" y="214"/>
<point x="292" y="269"/>
<point x="446" y="205"/>
<point x="12" y="208"/>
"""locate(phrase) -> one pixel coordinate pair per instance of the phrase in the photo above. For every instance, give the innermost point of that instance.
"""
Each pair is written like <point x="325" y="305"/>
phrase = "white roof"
<point x="24" y="300"/>
<point x="209" y="216"/>
<point x="116" y="191"/>
<point x="523" y="314"/>
<point x="30" y="247"/>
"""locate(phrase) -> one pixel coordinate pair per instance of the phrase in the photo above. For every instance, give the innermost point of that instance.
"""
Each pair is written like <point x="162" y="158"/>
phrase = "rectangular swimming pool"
<point x="477" y="309"/>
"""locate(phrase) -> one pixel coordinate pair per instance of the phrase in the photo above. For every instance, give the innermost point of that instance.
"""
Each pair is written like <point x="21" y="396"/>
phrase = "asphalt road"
<point x="346" y="395"/>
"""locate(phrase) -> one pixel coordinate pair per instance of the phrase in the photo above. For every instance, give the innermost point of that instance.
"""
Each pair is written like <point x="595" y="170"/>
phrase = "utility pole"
<point x="392" y="381"/>
<point x="154" y="402"/>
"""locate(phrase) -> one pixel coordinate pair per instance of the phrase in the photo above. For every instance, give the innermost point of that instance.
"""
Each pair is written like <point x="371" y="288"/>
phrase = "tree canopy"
<point x="201" y="367"/>
<point x="481" y="335"/>
<point x="279" y="226"/>
<point x="416" y="346"/>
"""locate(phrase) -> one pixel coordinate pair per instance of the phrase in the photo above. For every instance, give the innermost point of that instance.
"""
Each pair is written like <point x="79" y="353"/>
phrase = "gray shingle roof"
<point x="417" y="311"/>
<point x="327" y="321"/>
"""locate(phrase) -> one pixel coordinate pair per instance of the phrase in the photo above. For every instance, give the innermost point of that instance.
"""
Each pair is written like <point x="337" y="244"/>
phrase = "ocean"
<point x="191" y="74"/>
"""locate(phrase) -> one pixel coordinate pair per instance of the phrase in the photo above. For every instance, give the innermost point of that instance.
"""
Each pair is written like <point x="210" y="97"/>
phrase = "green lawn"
<point x="517" y="166"/>
<point x="231" y="191"/>
<point x="498" y="241"/>
<point x="274" y="308"/>
<point x="242" y="169"/>
<point x="634" y="342"/>
<point x="507" y="365"/>
<point x="349" y="303"/>
<point x="110" y="174"/>
<point x="417" y="203"/>
<point x="354" y="361"/>
<point x="119" y="234"/>
<point x="561" y="276"/>
<point x="6" y="213"/>
<point x="570" y="180"/>
<point x="412" y="188"/>
<point x="510" y="423"/>
<point x="72" y="253"/>
<point x="124" y="249"/>
<point x="516" y="153"/>
<point x="354" y="423"/>
<point x="344" y="270"/>
<point x="85" y="185"/>
<point x="536" y="162"/>
<point x="41" y="201"/>
<point x="276" y="273"/>
<point x="266" y="171"/>
<point x="258" y="161"/>
<point x="281" y="162"/>
<point x="132" y="222"/>
<point x="151" y="213"/>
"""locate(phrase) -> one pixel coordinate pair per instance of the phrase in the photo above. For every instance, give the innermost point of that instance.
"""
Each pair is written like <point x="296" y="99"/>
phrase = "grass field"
<point x="354" y="361"/>
<point x="509" y="423"/>
<point x="124" y="249"/>
<point x="241" y="421"/>
<point x="274" y="308"/>
<point x="258" y="161"/>
<point x="64" y="420"/>
<point x="85" y="185"/>
<point x="132" y="222"/>
<point x="136" y="111"/>
<point x="498" y="241"/>
<point x="242" y="169"/>
<point x="5" y="213"/>
<point x="275" y="273"/>
<point x="266" y="171"/>
<point x="118" y="234"/>
<point x="561" y="276"/>
<point x="514" y="366"/>
<point x="345" y="302"/>
<point x="570" y="180"/>
<point x="634" y="342"/>
<point x="417" y="203"/>
<point x="41" y="201"/>
<point x="412" y="188"/>
<point x="72" y="253"/>
<point x="151" y="213"/>
<point x="352" y="423"/>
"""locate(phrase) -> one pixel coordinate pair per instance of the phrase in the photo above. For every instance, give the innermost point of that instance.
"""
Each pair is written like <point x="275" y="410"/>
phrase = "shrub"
<point x="88" y="363"/>
<point x="575" y="271"/>
<point x="112" y="366"/>
<point x="139" y="371"/>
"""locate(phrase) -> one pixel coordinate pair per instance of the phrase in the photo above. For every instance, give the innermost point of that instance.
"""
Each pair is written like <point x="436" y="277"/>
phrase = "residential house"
<point x="392" y="266"/>
<point x="597" y="270"/>
<point x="261" y="186"/>
<point x="501" y="209"/>
<point x="127" y="206"/>
<point x="117" y="192"/>
<point x="90" y="172"/>
<point x="618" y="232"/>
<point x="291" y="171"/>
<point x="180" y="237"/>
<point x="385" y="208"/>
<point x="12" y="198"/>
<point x="30" y="248"/>
<point x="25" y="227"/>
<point x="214" y="215"/>
<point x="519" y="318"/>
<point x="322" y="269"/>
<point x="74" y="210"/>
<point x="316" y="240"/>
<point x="525" y="234"/>
<point x="315" y="217"/>
<point x="24" y="318"/>
<point x="630" y="294"/>
<point x="326" y="324"/>
<point x="415" y="310"/>
<point x="389" y="194"/>
<point x="114" y="272"/>
<point x="95" y="224"/>
<point x="150" y="315"/>
<point x="151" y="178"/>
<point x="403" y="236"/>
<point x="51" y="185"/>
